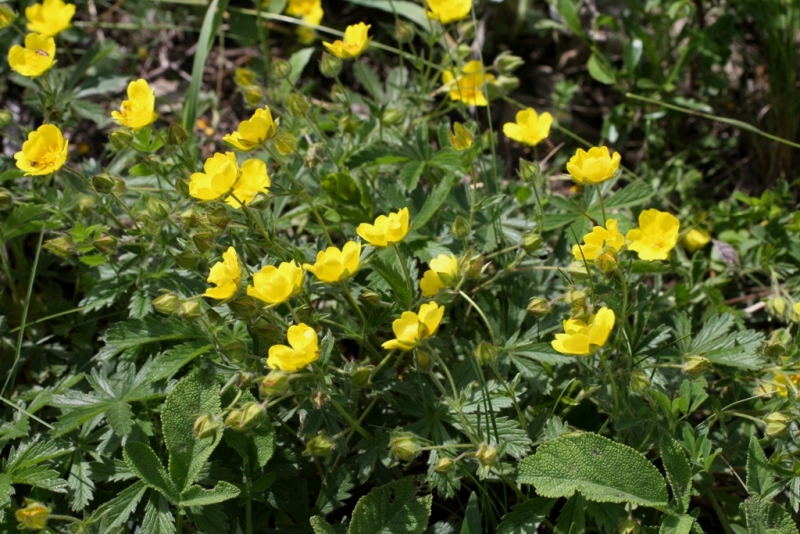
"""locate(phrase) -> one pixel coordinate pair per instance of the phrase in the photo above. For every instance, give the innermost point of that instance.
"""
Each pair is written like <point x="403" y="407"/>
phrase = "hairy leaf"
<point x="392" y="508"/>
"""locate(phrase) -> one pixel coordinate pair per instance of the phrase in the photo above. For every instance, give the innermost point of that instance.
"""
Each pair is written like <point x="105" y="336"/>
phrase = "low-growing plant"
<point x="341" y="294"/>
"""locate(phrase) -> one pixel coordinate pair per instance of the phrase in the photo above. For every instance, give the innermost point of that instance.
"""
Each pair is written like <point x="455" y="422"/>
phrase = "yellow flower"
<point x="355" y="42"/>
<point x="597" y="239"/>
<point x="594" y="166"/>
<point x="334" y="265"/>
<point x="37" y="56"/>
<point x="222" y="178"/>
<point x="442" y="273"/>
<point x="303" y="351"/>
<point x="387" y="230"/>
<point x="138" y="111"/>
<point x="460" y="137"/>
<point x="780" y="383"/>
<point x="584" y="337"/>
<point x="275" y="285"/>
<point x="49" y="18"/>
<point x="656" y="236"/>
<point x="411" y="328"/>
<point x="468" y="83"/>
<point x="226" y="275"/>
<point x="254" y="132"/>
<point x="530" y="128"/>
<point x="44" y="152"/>
<point x="448" y="10"/>
<point x="695" y="239"/>
<point x="308" y="10"/>
<point x="34" y="516"/>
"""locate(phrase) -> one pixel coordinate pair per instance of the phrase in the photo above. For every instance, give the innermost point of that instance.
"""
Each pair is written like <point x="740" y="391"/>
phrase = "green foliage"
<point x="392" y="508"/>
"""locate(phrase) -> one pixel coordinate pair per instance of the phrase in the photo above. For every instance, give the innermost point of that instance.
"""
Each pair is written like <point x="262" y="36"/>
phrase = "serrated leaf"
<point x="410" y="173"/>
<point x="40" y="476"/>
<point x="472" y="516"/>
<point x="169" y="362"/>
<point x="600" y="469"/>
<point x="334" y="492"/>
<point x="158" y="518"/>
<point x="321" y="526"/>
<point x="765" y="517"/>
<point x="209" y="518"/>
<point x="197" y="496"/>
<point x="572" y="519"/>
<point x="679" y="472"/>
<point x="193" y="396"/>
<point x="80" y="483"/>
<point x="115" y="512"/>
<point x="630" y="195"/>
<point x="392" y="509"/>
<point x="434" y="201"/>
<point x="144" y="462"/>
<point x="676" y="524"/>
<point x="526" y="517"/>
<point x="120" y="418"/>
<point x="759" y="477"/>
<point x="6" y="490"/>
<point x="256" y="445"/>
<point x="375" y="155"/>
<point x="138" y="332"/>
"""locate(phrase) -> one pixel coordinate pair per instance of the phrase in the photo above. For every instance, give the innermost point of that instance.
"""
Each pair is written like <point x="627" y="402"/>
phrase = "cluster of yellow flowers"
<point x="45" y="20"/>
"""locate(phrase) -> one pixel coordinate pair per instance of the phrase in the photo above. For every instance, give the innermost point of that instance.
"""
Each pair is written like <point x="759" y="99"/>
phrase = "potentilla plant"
<point x="345" y="313"/>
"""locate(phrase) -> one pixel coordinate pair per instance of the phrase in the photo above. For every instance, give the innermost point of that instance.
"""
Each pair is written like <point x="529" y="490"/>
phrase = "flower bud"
<point x="203" y="241"/>
<point x="695" y="365"/>
<point x="243" y="307"/>
<point x="423" y="359"/>
<point x="157" y="208"/>
<point x="778" y="343"/>
<point x="102" y="183"/>
<point x="248" y="416"/>
<point x="176" y="135"/>
<point x="280" y="68"/>
<point x="243" y="76"/>
<point x="776" y="423"/>
<point x="205" y="426"/>
<point x="235" y="351"/>
<point x="6" y="198"/>
<point x="487" y="456"/>
<point x="168" y="303"/>
<point x="284" y="142"/>
<point x="359" y="376"/>
<point x="6" y="118"/>
<point x="106" y="244"/>
<point x="329" y="65"/>
<point x="577" y="301"/>
<point x="539" y="307"/>
<point x="507" y="63"/>
<point x="245" y="380"/>
<point x="606" y="260"/>
<point x="578" y="269"/>
<point x="190" y="309"/>
<point x="443" y="466"/>
<point x="189" y="218"/>
<point x="341" y="187"/>
<point x="460" y="138"/>
<point x="86" y="204"/>
<point x="369" y="298"/>
<point x="404" y="446"/>
<point x="34" y="516"/>
<point x="60" y="246"/>
<point x="120" y="188"/>
<point x="463" y="50"/>
<point x="485" y="353"/>
<point x="392" y="116"/>
<point x="531" y="242"/>
<point x="403" y="31"/>
<point x="778" y="307"/>
<point x="502" y="85"/>
<point x="639" y="381"/>
<point x="186" y="260"/>
<point x="530" y="171"/>
<point x="298" y="105"/>
<point x="121" y="139"/>
<point x="274" y="384"/>
<point x="320" y="445"/>
<point x="460" y="228"/>
<point x="219" y="217"/>
<point x="320" y="399"/>
<point x="467" y="30"/>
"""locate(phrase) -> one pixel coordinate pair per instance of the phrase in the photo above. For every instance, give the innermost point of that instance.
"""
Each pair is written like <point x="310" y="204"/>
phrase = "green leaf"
<point x="434" y="201"/>
<point x="679" y="472"/>
<point x="334" y="492"/>
<point x="526" y="517"/>
<point x="144" y="462"/>
<point x="715" y="343"/>
<point x="630" y="195"/>
<point x="392" y="509"/>
<point x="410" y="173"/>
<point x="410" y="10"/>
<point x="115" y="512"/>
<point x="375" y="155"/>
<point x="759" y="477"/>
<point x="169" y="362"/>
<point x="23" y="220"/>
<point x="256" y="445"/>
<point x="137" y="332"/>
<point x="600" y="70"/>
<point x="195" y="395"/>
<point x="765" y="517"/>
<point x="197" y="496"/>
<point x="676" y="524"/>
<point x="321" y="526"/>
<point x="80" y="483"/>
<point x="601" y="469"/>
<point x="298" y="62"/>
<point x="572" y="519"/>
<point x="569" y="13"/>
<point x="157" y="517"/>
<point x="6" y="490"/>
<point x="472" y="516"/>
<point x="120" y="418"/>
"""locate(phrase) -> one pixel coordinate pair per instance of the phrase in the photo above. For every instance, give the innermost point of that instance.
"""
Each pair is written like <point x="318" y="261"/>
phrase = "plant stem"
<point x="726" y="526"/>
<point x="352" y="422"/>
<point x="602" y="205"/>
<point x="354" y="304"/>
<point x="483" y="316"/>
<point x="405" y="272"/>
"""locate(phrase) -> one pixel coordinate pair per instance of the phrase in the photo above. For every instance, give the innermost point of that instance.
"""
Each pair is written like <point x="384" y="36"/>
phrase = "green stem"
<point x="602" y="205"/>
<point x="7" y="269"/>
<point x="248" y="505"/>
<point x="352" y="422"/>
<point x="723" y="519"/>
<point x="405" y="271"/>
<point x="614" y="391"/>
<point x="354" y="304"/>
<point x="380" y="365"/>
<point x="483" y="316"/>
<point x="24" y="411"/>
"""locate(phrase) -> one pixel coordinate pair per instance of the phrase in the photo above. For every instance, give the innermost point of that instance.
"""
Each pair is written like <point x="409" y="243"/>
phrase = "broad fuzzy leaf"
<point x="526" y="517"/>
<point x="197" y="496"/>
<point x="676" y="524"/>
<point x="759" y="477"/>
<point x="392" y="509"/>
<point x="144" y="462"/>
<point x="765" y="517"/>
<point x="679" y="472"/>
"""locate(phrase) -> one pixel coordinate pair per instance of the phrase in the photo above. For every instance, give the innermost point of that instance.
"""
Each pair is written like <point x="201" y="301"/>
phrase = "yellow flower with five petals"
<point x="656" y="236"/>
<point x="275" y="285"/>
<point x="598" y="239"/>
<point x="226" y="275"/>
<point x="254" y="132"/>
<point x="446" y="11"/>
<point x="35" y="58"/>
<point x="442" y="273"/>
<point x="467" y="84"/>
<point x="354" y="43"/>
<point x="695" y="239"/>
<point x="223" y="178"/>
<point x="334" y="265"/>
<point x="139" y="110"/>
<point x="582" y="338"/>
<point x="303" y="349"/>
<point x="530" y="128"/>
<point x="387" y="229"/>
<point x="44" y="152"/>
<point x="412" y="328"/>
<point x="49" y="18"/>
<point x="593" y="167"/>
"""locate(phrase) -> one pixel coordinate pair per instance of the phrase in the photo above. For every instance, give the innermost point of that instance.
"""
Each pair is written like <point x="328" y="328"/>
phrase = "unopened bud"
<point x="424" y="360"/>
<point x="121" y="139"/>
<point x="168" y="303"/>
<point x="404" y="446"/>
<point x="503" y="84"/>
<point x="189" y="218"/>
<point x="6" y="118"/>
<point x="577" y="301"/>
<point x="776" y="423"/>
<point x="778" y="306"/>
<point x="245" y="380"/>
<point x="487" y="456"/>
<point x="120" y="188"/>
<point x="403" y="31"/>
<point x="778" y="343"/>
<point x="34" y="516"/>
<point x="695" y="365"/>
<point x="463" y="50"/>
<point x="531" y="242"/>
<point x="285" y="142"/>
<point x="106" y="244"/>
<point x="7" y="16"/>
<point x="243" y="307"/>
<point x="639" y="381"/>
<point x="203" y="241"/>
<point x="249" y="415"/>
<point x="157" y="208"/>
<point x="530" y="171"/>
<point x="266" y="332"/>
<point x="298" y="105"/>
<point x="190" y="309"/>
<point x="577" y="269"/>
<point x="274" y="384"/>
<point x="329" y="65"/>
<point x="320" y="399"/>
<point x="392" y="116"/>
<point x="460" y="228"/>
<point x="281" y="68"/>
<point x="205" y="426"/>
<point x="460" y="138"/>
<point x="219" y="217"/>
<point x="485" y="353"/>
<point x="186" y="260"/>
<point x="102" y="183"/>
<point x="369" y="298"/>
<point x="176" y="135"/>
<point x="235" y="351"/>
<point x="606" y="260"/>
<point x="443" y="466"/>
<point x="60" y="246"/>
<point x="182" y="187"/>
<point x="6" y="198"/>
<point x="507" y="62"/>
<point x="320" y="445"/>
<point x="359" y="377"/>
<point x="538" y="307"/>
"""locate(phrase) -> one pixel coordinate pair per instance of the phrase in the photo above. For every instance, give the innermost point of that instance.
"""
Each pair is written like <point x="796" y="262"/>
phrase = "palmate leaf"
<point x="137" y="332"/>
<point x="715" y="343"/>
<point x="116" y="512"/>
<point x="157" y="516"/>
<point x="393" y="508"/>
<point x="80" y="483"/>
<point x="526" y="517"/>
<point x="600" y="469"/>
